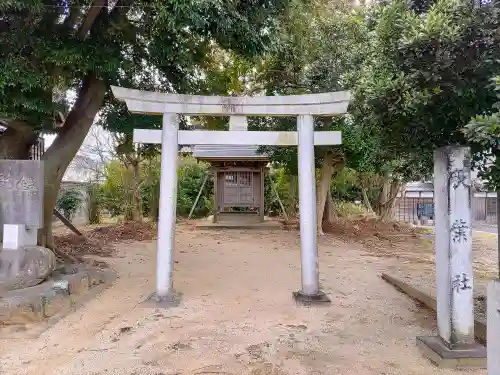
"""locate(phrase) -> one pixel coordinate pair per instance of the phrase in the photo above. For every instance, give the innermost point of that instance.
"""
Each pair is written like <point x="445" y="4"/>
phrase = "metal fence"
<point x="37" y="149"/>
<point x="414" y="206"/>
<point x="411" y="209"/>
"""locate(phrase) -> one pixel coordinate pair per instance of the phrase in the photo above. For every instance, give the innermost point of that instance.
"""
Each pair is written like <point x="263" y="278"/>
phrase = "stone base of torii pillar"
<point x="454" y="346"/>
<point x="172" y="299"/>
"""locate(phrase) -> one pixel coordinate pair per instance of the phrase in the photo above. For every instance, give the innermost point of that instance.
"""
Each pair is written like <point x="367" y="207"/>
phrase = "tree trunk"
<point x="329" y="215"/>
<point x="395" y="188"/>
<point x="154" y="203"/>
<point x="388" y="196"/>
<point x="66" y="145"/>
<point x="137" y="210"/>
<point x="399" y="193"/>
<point x="332" y="163"/>
<point x="323" y="189"/>
<point x="16" y="144"/>
<point x="291" y="202"/>
<point x="366" y="201"/>
<point x="94" y="209"/>
<point x="133" y="209"/>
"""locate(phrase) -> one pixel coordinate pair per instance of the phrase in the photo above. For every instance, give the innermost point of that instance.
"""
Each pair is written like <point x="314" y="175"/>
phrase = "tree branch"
<point x="92" y="14"/>
<point x="72" y="18"/>
<point x="19" y="126"/>
<point x="120" y="9"/>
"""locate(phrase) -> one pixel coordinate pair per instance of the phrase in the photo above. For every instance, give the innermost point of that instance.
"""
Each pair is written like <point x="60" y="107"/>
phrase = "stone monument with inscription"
<point x="455" y="344"/>
<point x="22" y="262"/>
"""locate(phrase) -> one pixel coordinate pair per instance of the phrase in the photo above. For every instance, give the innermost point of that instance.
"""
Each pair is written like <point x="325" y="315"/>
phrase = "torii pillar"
<point x="170" y="137"/>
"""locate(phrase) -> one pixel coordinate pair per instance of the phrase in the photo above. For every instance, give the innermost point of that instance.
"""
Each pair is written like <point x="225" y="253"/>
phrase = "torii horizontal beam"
<point x="324" y="104"/>
<point x="242" y="137"/>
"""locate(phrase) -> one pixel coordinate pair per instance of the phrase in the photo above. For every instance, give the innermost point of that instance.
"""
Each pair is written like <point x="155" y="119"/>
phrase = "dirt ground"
<point x="237" y="316"/>
<point x="415" y="264"/>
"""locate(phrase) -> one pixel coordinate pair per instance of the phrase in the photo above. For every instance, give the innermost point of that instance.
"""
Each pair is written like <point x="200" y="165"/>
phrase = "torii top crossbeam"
<point x="325" y="104"/>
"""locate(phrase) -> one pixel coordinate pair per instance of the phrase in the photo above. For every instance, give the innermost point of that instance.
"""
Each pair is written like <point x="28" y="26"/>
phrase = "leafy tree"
<point x="191" y="176"/>
<point x="48" y="48"/>
<point x="316" y="51"/>
<point x="425" y="76"/>
<point x="94" y="192"/>
<point x="114" y="188"/>
<point x="484" y="132"/>
<point x="69" y="202"/>
<point x="425" y="72"/>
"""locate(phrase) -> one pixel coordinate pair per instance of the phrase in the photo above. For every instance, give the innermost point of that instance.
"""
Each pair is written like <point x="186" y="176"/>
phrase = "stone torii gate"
<point x="170" y="137"/>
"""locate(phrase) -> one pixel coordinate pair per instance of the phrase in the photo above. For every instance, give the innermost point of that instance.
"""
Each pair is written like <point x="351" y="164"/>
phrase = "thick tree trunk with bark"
<point x="332" y="163"/>
<point x="66" y="145"/>
<point x="388" y="196"/>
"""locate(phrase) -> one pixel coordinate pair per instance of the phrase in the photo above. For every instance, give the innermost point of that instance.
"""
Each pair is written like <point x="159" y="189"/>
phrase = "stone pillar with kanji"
<point x="454" y="346"/>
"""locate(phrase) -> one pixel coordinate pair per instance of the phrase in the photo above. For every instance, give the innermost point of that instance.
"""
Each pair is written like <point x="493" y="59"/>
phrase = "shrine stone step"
<point x="238" y="217"/>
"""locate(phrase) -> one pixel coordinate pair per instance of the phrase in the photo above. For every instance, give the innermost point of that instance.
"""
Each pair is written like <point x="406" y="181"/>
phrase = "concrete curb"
<point x="426" y="299"/>
<point x="29" y="312"/>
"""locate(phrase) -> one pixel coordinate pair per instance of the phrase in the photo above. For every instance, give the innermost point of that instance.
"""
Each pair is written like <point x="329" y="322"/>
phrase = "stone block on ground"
<point x="437" y="351"/>
<point x="26" y="267"/>
<point x="34" y="309"/>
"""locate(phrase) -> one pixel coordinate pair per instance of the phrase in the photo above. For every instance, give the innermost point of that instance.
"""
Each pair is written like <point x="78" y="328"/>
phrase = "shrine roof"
<point x="228" y="152"/>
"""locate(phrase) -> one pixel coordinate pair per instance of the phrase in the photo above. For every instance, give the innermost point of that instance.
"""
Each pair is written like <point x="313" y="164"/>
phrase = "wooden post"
<point x="215" y="208"/>
<point x="67" y="222"/>
<point x="275" y="191"/>
<point x="198" y="196"/>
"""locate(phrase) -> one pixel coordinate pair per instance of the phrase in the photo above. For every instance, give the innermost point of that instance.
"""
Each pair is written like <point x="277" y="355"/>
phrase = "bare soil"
<point x="237" y="316"/>
<point x="413" y="249"/>
<point x="415" y="264"/>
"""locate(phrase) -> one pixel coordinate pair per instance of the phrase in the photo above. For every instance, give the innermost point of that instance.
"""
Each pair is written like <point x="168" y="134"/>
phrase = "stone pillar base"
<point x="306" y="299"/>
<point x="172" y="300"/>
<point x="435" y="349"/>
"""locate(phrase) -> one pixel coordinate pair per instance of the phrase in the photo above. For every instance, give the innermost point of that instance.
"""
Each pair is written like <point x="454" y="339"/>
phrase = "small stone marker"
<point x="21" y="201"/>
<point x="22" y="263"/>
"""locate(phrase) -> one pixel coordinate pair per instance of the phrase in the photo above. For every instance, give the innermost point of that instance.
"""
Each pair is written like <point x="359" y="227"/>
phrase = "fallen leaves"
<point x="99" y="241"/>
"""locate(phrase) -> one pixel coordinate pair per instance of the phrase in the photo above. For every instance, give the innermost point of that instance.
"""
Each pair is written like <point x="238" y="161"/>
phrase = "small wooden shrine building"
<point x="238" y="173"/>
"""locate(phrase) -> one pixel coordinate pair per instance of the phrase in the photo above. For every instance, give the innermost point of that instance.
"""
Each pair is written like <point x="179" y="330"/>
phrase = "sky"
<point x="48" y="140"/>
<point x="90" y="139"/>
<point x="89" y="142"/>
